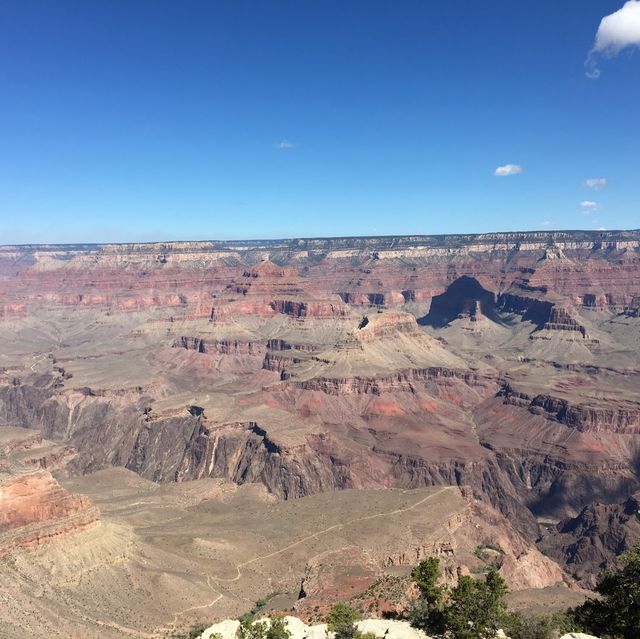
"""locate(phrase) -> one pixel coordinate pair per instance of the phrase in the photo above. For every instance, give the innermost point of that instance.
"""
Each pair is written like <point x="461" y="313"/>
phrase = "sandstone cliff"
<point x="34" y="508"/>
<point x="300" y="364"/>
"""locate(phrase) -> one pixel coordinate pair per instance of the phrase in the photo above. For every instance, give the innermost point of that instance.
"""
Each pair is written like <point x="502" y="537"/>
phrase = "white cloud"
<point x="547" y="223"/>
<point x="588" y="204"/>
<point x="286" y="145"/>
<point x="617" y="31"/>
<point x="597" y="184"/>
<point x="601" y="228"/>
<point x="508" y="169"/>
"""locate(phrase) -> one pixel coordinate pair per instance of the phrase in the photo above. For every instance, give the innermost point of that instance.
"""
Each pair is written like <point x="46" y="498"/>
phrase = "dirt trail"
<point x="164" y="630"/>
<point x="398" y="511"/>
<point x="126" y="630"/>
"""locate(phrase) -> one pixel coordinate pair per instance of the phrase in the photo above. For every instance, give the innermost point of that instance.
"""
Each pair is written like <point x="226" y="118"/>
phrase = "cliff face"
<point x="317" y="277"/>
<point x="507" y="362"/>
<point x="464" y="298"/>
<point x="617" y="419"/>
<point x="34" y="508"/>
<point x="593" y="541"/>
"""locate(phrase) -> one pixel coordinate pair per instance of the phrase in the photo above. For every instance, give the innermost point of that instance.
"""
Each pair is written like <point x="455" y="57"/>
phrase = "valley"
<point x="201" y="425"/>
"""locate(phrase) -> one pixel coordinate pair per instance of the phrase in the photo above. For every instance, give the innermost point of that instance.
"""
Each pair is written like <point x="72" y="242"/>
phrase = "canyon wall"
<point x="507" y="362"/>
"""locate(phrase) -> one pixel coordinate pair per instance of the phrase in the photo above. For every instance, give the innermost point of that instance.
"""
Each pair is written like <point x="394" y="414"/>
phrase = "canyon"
<point x="501" y="368"/>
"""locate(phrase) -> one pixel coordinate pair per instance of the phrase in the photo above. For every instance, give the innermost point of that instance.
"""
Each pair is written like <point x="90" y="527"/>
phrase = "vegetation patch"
<point x="491" y="556"/>
<point x="258" y="607"/>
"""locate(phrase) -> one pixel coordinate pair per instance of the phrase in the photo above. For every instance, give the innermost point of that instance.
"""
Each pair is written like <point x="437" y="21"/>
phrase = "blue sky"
<point x="155" y="120"/>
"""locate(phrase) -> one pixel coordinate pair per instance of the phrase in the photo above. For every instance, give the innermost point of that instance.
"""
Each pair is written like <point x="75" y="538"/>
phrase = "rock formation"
<point x="593" y="541"/>
<point x="34" y="508"/>
<point x="300" y="364"/>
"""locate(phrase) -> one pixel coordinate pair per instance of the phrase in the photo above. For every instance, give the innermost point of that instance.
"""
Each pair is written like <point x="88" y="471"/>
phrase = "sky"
<point x="144" y="120"/>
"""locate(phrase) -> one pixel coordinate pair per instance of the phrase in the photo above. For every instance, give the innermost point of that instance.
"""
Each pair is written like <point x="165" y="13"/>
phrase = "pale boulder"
<point x="390" y="629"/>
<point x="383" y="628"/>
<point x="300" y="630"/>
<point x="226" y="629"/>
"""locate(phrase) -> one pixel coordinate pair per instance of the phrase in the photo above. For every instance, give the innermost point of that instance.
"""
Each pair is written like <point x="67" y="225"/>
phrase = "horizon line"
<point x="416" y="236"/>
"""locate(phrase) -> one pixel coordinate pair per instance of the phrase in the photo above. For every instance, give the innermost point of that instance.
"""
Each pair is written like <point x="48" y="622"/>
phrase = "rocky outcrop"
<point x="532" y="310"/>
<point x="593" y="541"/>
<point x="402" y="381"/>
<point x="35" y="509"/>
<point x="386" y="325"/>
<point x="220" y="347"/>
<point x="244" y="453"/>
<point x="291" y="308"/>
<point x="560" y="320"/>
<point x="623" y="419"/>
<point x="464" y="297"/>
<point x="379" y="300"/>
<point x="544" y="314"/>
<point x="389" y="628"/>
<point x="633" y="309"/>
<point x="283" y="345"/>
<point x="279" y="363"/>
<point x="12" y="311"/>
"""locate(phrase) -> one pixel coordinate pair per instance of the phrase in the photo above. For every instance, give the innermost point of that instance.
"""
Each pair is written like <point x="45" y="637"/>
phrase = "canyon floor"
<point x="187" y="428"/>
<point x="162" y="557"/>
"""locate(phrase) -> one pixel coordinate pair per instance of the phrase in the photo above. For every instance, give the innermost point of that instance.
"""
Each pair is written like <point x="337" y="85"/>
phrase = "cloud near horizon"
<point x="616" y="32"/>
<point x="597" y="184"/>
<point x="508" y="169"/>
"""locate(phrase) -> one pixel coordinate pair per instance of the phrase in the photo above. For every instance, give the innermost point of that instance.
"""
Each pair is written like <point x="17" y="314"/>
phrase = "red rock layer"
<point x="34" y="508"/>
<point x="319" y="278"/>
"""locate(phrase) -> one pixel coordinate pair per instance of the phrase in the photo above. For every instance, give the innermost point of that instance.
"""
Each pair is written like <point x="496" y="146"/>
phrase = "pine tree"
<point x="616" y="615"/>
<point x="477" y="609"/>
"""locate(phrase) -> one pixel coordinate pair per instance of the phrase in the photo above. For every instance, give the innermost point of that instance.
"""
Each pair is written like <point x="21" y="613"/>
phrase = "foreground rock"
<point x="387" y="628"/>
<point x="383" y="628"/>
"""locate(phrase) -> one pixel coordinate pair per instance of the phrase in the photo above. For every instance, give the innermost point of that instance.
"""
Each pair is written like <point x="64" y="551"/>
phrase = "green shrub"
<point x="252" y="629"/>
<point x="341" y="614"/>
<point x="616" y="614"/>
<point x="538" y="626"/>
<point x="278" y="629"/>
<point x="342" y="621"/>
<point x="477" y="609"/>
<point x="427" y="612"/>
<point x="257" y="607"/>
<point x="474" y="609"/>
